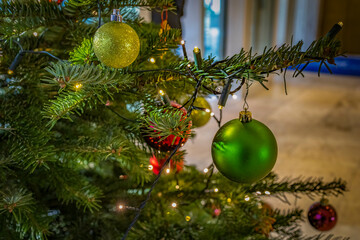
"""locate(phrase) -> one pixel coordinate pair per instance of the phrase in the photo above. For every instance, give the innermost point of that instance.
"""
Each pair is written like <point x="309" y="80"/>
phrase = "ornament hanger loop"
<point x="164" y="10"/>
<point x="116" y="16"/>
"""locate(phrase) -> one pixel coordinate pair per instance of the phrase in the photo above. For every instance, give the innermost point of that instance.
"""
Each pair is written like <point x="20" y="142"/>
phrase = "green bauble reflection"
<point x="244" y="152"/>
<point x="201" y="117"/>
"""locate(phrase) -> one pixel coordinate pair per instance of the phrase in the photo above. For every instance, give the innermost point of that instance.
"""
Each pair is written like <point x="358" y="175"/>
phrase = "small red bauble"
<point x="322" y="216"/>
<point x="171" y="141"/>
<point x="157" y="164"/>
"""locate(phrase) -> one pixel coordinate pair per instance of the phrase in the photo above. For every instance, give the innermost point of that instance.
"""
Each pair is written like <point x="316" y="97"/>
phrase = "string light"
<point x="267" y="192"/>
<point x="35" y="34"/>
<point x="206" y="170"/>
<point x="258" y="193"/>
<point x="78" y="86"/>
<point x="228" y="200"/>
<point x="196" y="49"/>
<point x="247" y="198"/>
<point x="189" y="65"/>
<point x="150" y="167"/>
<point x="187" y="218"/>
<point x="10" y="72"/>
<point x="121" y="206"/>
<point x="177" y="186"/>
<point x="161" y="92"/>
<point x="212" y="114"/>
<point x="216" y="190"/>
<point x="234" y="96"/>
<point x="207" y="110"/>
<point x="152" y="60"/>
<point x="174" y="204"/>
<point x="182" y="42"/>
<point x="168" y="170"/>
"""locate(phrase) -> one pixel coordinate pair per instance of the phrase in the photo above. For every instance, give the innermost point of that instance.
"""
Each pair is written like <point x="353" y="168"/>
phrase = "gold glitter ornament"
<point x="116" y="44"/>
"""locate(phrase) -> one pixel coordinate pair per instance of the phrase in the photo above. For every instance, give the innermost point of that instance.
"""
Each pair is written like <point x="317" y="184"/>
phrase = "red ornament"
<point x="322" y="216"/>
<point x="171" y="141"/>
<point x="57" y="1"/>
<point x="157" y="164"/>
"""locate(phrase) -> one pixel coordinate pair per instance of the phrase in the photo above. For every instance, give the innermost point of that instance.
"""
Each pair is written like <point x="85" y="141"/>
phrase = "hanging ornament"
<point x="116" y="44"/>
<point x="244" y="150"/>
<point x="57" y="1"/>
<point x="171" y="141"/>
<point x="322" y="216"/>
<point x="158" y="161"/>
<point x="200" y="117"/>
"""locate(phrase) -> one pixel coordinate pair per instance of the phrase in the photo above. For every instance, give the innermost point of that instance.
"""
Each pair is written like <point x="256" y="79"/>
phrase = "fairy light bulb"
<point x="228" y="200"/>
<point x="161" y="92"/>
<point x="258" y="193"/>
<point x="207" y="110"/>
<point x="150" y="167"/>
<point x="247" y="198"/>
<point x="216" y="190"/>
<point x="187" y="218"/>
<point x="182" y="42"/>
<point x="121" y="207"/>
<point x="167" y="170"/>
<point x="177" y="186"/>
<point x="35" y="34"/>
<point x="174" y="204"/>
<point x="234" y="96"/>
<point x="267" y="192"/>
<point x="152" y="60"/>
<point x="212" y="114"/>
<point x="78" y="86"/>
<point x="196" y="49"/>
<point x="206" y="170"/>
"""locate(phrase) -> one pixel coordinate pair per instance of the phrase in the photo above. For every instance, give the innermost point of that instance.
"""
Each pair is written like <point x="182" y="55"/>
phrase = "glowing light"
<point x="258" y="192"/>
<point x="267" y="192"/>
<point x="10" y="72"/>
<point x="228" y="200"/>
<point x="187" y="218"/>
<point x="216" y="190"/>
<point x="177" y="186"/>
<point x="206" y="170"/>
<point x="212" y="114"/>
<point x="182" y="42"/>
<point x="167" y="170"/>
<point x="161" y="92"/>
<point x="78" y="86"/>
<point x="174" y="204"/>
<point x="247" y="198"/>
<point x="207" y="110"/>
<point x="121" y="206"/>
<point x="196" y="49"/>
<point x="234" y="96"/>
<point x="150" y="167"/>
<point x="152" y="60"/>
<point x="220" y="107"/>
<point x="189" y="65"/>
<point x="35" y="34"/>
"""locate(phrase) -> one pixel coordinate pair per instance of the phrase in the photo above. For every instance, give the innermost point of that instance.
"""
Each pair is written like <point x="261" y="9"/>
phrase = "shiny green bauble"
<point x="244" y="152"/>
<point x="116" y="44"/>
<point x="201" y="117"/>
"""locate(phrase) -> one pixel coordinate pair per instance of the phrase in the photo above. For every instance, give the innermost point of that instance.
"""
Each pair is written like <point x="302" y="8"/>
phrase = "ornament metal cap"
<point x="116" y="16"/>
<point x="245" y="116"/>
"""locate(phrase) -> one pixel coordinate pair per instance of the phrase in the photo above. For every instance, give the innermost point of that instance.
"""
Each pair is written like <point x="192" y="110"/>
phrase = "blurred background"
<point x="317" y="125"/>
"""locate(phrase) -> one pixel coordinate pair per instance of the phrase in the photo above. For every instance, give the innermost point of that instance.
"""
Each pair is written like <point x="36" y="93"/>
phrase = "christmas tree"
<point x="95" y="107"/>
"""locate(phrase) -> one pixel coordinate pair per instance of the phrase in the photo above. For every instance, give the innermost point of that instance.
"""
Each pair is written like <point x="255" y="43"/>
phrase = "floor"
<point x="317" y="126"/>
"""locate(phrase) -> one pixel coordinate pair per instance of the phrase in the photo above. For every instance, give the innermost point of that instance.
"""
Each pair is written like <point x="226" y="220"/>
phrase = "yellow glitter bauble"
<point x="116" y="44"/>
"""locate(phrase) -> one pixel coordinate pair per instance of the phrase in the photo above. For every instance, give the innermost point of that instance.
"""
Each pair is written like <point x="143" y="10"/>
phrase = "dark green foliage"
<point x="71" y="148"/>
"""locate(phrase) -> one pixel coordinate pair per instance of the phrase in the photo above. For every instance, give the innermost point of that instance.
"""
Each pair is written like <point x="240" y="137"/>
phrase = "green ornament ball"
<point x="201" y="117"/>
<point x="244" y="152"/>
<point x="116" y="44"/>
